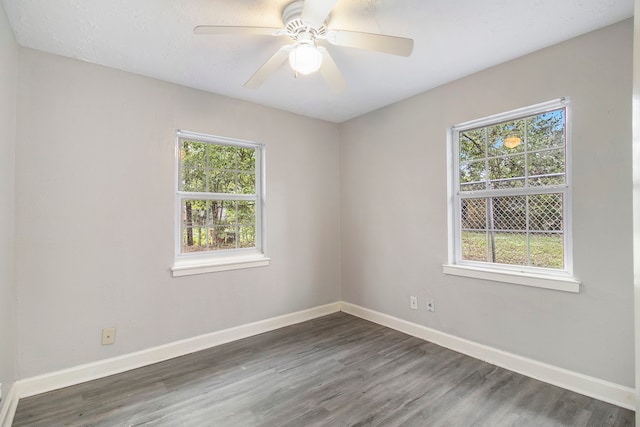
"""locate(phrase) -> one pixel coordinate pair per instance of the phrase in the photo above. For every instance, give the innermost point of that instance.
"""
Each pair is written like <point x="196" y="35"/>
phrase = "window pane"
<point x="214" y="225"/>
<point x="545" y="212"/>
<point x="247" y="236"/>
<point x="546" y="130"/>
<point x="194" y="154"/>
<point x="247" y="159"/>
<point x="507" y="172"/>
<point x="474" y="214"/>
<point x="193" y="166"/>
<point x="472" y="144"/>
<point x="223" y="237"/>
<point x="221" y="157"/>
<point x="220" y="212"/>
<point x="194" y="239"/>
<point x="222" y="182"/>
<point x="194" y="226"/>
<point x="474" y="226"/>
<point x="547" y="167"/>
<point x="246" y="183"/>
<point x="547" y="250"/>
<point x="193" y="179"/>
<point x="510" y="248"/>
<point x="246" y="213"/>
<point x="505" y="138"/>
<point x="506" y="242"/>
<point x="508" y="213"/>
<point x="194" y="213"/>
<point x="495" y="229"/>
<point x="473" y="176"/>
<point x="474" y="246"/>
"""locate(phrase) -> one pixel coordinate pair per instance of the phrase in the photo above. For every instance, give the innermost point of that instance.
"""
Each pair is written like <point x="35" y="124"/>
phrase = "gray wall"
<point x="394" y="210"/>
<point x="95" y="214"/>
<point x="8" y="86"/>
<point x="363" y="202"/>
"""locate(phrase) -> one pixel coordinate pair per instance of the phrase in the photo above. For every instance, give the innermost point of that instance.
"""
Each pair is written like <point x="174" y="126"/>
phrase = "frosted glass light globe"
<point x="305" y="58"/>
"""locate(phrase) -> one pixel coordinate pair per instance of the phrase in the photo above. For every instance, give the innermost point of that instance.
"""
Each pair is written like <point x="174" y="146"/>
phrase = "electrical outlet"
<point x="108" y="336"/>
<point x="413" y="302"/>
<point x="431" y="305"/>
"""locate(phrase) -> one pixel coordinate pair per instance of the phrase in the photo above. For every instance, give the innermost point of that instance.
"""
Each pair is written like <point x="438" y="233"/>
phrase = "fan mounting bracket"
<point x="295" y="26"/>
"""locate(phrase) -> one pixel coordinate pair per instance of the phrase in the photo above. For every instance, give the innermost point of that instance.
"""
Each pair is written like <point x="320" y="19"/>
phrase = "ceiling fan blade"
<point x="269" y="67"/>
<point x="221" y="29"/>
<point x="378" y="42"/>
<point x="315" y="12"/>
<point x="331" y="73"/>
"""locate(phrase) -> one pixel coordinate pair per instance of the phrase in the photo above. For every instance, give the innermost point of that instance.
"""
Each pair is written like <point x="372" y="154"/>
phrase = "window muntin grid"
<point x="485" y="162"/>
<point x="514" y="230"/>
<point x="510" y="203"/>
<point x="215" y="168"/>
<point x="220" y="193"/>
<point x="211" y="225"/>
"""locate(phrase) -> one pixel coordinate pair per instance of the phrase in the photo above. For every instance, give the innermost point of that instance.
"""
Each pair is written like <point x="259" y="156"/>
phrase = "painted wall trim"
<point x="9" y="406"/>
<point x="589" y="386"/>
<point x="559" y="283"/>
<point x="102" y="368"/>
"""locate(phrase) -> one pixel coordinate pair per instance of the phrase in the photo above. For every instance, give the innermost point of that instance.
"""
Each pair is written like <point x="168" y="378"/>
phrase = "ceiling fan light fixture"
<point x="305" y="24"/>
<point x="305" y="58"/>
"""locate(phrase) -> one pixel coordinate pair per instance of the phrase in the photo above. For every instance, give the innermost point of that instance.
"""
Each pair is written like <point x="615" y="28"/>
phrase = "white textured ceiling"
<point x="453" y="38"/>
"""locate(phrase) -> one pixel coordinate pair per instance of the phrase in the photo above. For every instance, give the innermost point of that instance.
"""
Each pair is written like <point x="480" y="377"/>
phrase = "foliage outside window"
<point x="219" y="198"/>
<point x="511" y="191"/>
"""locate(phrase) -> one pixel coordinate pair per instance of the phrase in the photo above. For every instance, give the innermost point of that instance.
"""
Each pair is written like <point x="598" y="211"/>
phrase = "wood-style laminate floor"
<point x="337" y="370"/>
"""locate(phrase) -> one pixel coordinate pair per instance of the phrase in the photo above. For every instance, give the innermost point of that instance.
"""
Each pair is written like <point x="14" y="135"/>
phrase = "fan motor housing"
<point x="292" y="18"/>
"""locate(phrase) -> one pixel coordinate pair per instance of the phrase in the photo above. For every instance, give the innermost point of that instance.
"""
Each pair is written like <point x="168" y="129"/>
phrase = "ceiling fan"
<point x="305" y="23"/>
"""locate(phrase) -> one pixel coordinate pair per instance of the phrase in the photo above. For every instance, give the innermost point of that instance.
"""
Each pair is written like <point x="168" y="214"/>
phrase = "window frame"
<point x="558" y="279"/>
<point x="225" y="259"/>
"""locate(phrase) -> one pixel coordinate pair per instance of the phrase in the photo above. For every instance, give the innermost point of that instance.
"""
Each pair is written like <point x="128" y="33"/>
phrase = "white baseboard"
<point x="583" y="384"/>
<point x="9" y="405"/>
<point x="102" y="368"/>
<point x="589" y="386"/>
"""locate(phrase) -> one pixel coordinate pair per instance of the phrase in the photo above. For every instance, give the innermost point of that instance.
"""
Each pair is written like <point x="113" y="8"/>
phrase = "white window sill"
<point x="558" y="283"/>
<point x="187" y="267"/>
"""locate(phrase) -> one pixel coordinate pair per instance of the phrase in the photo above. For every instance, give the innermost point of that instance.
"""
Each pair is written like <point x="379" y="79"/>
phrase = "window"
<point x="219" y="204"/>
<point x="511" y="197"/>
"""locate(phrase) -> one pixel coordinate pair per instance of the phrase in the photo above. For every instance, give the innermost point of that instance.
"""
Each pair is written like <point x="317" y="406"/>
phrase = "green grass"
<point x="511" y="248"/>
